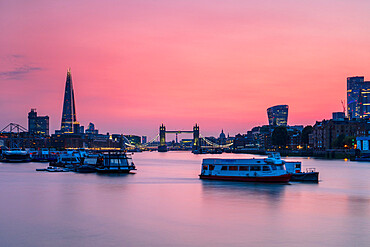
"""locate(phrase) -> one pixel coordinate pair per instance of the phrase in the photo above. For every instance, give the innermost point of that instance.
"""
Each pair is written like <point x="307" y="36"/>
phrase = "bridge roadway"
<point x="179" y="131"/>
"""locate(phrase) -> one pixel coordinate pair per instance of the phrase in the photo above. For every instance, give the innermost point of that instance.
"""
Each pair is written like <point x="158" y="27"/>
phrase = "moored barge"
<point x="115" y="162"/>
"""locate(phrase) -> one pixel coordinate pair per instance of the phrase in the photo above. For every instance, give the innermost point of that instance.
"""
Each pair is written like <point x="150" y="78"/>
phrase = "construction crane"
<point x="344" y="106"/>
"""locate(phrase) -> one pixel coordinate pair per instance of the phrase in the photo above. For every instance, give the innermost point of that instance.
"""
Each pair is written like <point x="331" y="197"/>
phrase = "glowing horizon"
<point x="220" y="64"/>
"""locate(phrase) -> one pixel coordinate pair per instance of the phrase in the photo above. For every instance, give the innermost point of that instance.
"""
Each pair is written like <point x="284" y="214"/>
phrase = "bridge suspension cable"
<point x="152" y="140"/>
<point x="215" y="145"/>
<point x="127" y="142"/>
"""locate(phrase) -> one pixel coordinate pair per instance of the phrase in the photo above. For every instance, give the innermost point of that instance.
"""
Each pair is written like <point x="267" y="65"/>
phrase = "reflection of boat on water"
<point x="232" y="189"/>
<point x="116" y="162"/>
<point x="15" y="155"/>
<point x="269" y="170"/>
<point x="294" y="168"/>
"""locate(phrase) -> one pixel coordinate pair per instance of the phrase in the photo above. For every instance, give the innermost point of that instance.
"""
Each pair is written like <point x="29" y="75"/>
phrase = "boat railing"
<point x="310" y="169"/>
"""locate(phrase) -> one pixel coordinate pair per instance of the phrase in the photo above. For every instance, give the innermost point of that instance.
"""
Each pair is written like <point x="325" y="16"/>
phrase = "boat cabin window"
<point x="243" y="168"/>
<point x="258" y="161"/>
<point x="255" y="168"/>
<point x="224" y="168"/>
<point x="298" y="166"/>
<point x="114" y="162"/>
<point x="282" y="167"/>
<point x="265" y="168"/>
<point x="273" y="167"/>
<point x="211" y="167"/>
<point x="205" y="167"/>
<point x="233" y="168"/>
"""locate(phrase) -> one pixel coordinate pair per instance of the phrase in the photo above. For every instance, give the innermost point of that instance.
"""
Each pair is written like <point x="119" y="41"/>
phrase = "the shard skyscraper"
<point x="69" y="109"/>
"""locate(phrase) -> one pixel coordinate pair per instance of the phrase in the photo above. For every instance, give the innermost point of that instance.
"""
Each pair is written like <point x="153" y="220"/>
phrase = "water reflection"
<point x="166" y="204"/>
<point x="239" y="192"/>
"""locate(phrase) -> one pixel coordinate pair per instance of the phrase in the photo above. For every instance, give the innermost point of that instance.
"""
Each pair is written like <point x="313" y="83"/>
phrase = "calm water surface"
<point x="165" y="204"/>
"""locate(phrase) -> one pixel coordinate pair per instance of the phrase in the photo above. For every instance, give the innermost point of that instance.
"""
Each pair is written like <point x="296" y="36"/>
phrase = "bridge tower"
<point x="196" y="143"/>
<point x="162" y="139"/>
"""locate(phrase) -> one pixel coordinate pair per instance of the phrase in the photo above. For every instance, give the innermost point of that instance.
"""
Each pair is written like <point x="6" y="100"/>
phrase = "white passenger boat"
<point x="270" y="170"/>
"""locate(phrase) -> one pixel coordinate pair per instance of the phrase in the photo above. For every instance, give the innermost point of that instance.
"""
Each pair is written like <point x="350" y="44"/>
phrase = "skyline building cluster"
<point x="358" y="100"/>
<point x="324" y="135"/>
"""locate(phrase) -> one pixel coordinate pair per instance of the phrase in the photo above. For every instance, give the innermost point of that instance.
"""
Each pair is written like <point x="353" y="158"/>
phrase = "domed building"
<point x="222" y="138"/>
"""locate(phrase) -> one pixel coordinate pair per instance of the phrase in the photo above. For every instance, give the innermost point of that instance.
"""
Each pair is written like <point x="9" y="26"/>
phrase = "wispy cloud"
<point x="19" y="72"/>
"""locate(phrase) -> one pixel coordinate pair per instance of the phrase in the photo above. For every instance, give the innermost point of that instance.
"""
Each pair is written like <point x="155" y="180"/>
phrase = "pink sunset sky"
<point x="219" y="63"/>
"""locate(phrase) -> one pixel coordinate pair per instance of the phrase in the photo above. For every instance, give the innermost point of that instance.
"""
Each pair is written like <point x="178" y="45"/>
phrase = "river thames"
<point x="165" y="204"/>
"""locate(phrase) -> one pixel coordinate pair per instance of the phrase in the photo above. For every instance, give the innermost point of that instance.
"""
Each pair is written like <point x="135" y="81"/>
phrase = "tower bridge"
<point x="197" y="141"/>
<point x="162" y="137"/>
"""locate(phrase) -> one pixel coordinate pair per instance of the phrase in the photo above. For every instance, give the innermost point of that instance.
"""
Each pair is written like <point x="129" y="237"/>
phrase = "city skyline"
<point x="220" y="65"/>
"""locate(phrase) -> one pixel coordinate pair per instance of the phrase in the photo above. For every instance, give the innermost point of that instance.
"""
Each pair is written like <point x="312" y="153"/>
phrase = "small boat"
<point x="56" y="169"/>
<point x="294" y="168"/>
<point x="116" y="162"/>
<point x="16" y="155"/>
<point x="269" y="170"/>
<point x="363" y="157"/>
<point x="41" y="169"/>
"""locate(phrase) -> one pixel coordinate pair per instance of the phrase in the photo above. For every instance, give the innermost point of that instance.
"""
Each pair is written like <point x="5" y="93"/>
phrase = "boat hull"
<point x="113" y="170"/>
<point x="271" y="179"/>
<point x="305" y="177"/>
<point x="85" y="169"/>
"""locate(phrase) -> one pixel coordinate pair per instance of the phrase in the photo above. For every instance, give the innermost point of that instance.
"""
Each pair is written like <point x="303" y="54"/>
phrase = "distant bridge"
<point x="196" y="144"/>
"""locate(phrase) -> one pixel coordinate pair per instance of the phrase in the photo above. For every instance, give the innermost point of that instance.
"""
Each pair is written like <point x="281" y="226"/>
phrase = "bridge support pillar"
<point x="196" y="143"/>
<point x="162" y="139"/>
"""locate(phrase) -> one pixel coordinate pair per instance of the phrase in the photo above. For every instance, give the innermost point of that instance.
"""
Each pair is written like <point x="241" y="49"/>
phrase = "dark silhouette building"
<point x="278" y="115"/>
<point x="69" y="109"/>
<point x="91" y="129"/>
<point x="38" y="125"/>
<point x="324" y="133"/>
